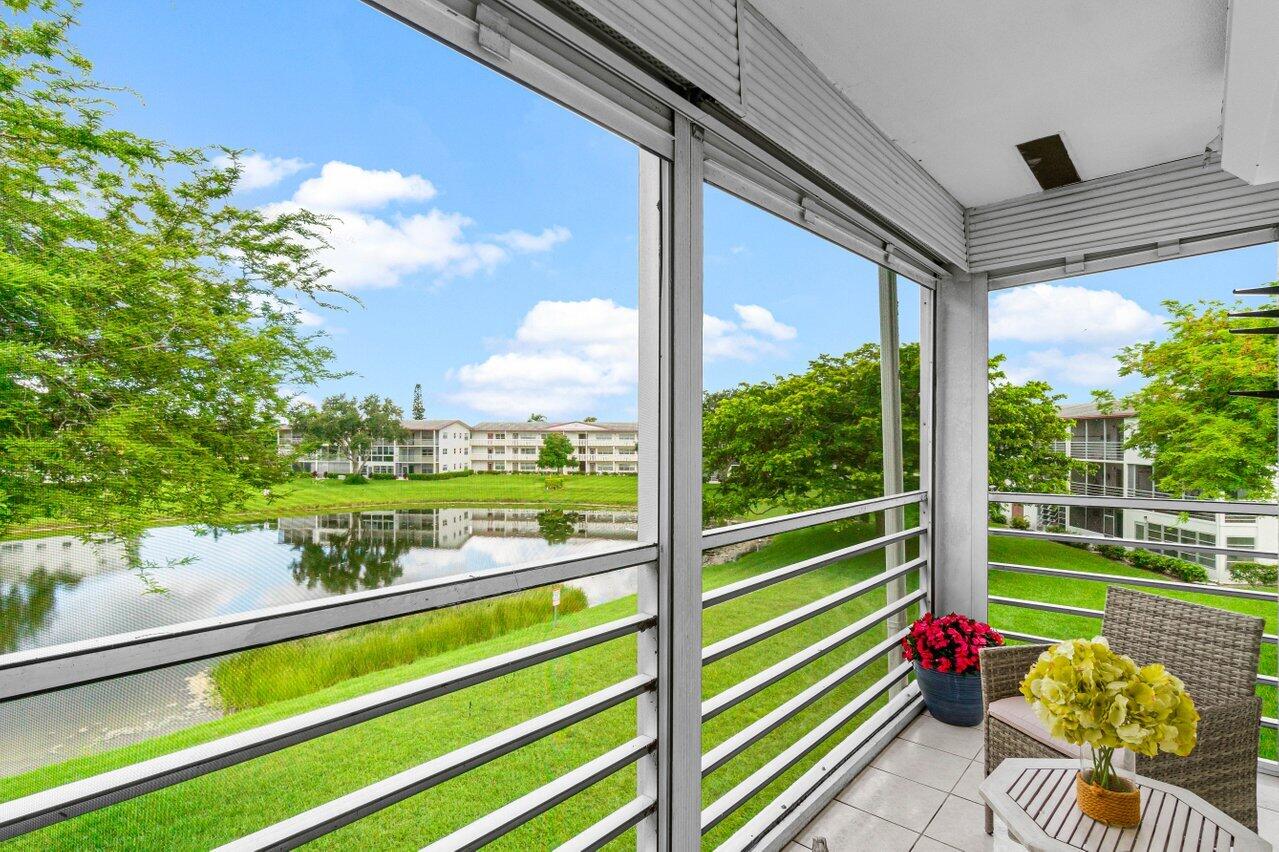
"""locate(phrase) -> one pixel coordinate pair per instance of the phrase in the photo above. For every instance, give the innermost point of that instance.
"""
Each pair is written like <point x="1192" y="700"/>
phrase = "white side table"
<point x="1036" y="800"/>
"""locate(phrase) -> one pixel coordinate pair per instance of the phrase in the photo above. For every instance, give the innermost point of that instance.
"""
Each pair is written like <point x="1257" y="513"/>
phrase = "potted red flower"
<point x="944" y="652"/>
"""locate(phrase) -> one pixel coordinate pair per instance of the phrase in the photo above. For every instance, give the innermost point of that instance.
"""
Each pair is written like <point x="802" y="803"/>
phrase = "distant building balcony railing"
<point x="1094" y="450"/>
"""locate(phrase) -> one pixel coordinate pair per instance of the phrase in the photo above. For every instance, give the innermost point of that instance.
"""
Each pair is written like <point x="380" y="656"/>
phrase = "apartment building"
<point x="444" y="446"/>
<point x="1097" y="437"/>
<point x="432" y="446"/>
<point x="512" y="447"/>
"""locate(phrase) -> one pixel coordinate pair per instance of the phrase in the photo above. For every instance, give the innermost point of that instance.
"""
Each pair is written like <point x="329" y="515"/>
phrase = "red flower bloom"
<point x="950" y="643"/>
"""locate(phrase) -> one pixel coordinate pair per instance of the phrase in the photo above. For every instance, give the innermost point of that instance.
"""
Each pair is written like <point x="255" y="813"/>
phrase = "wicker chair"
<point x="1213" y="651"/>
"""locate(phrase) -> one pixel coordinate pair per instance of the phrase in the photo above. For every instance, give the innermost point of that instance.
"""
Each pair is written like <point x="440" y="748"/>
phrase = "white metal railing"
<point x="1091" y="449"/>
<point x="1156" y="504"/>
<point x="37" y="671"/>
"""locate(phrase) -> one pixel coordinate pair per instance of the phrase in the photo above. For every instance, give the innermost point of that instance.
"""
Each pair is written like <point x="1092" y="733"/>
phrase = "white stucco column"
<point x="961" y="337"/>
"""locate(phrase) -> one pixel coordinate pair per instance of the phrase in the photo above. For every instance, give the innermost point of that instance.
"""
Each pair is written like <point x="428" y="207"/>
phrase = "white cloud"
<point x="258" y="171"/>
<point x="1056" y="313"/>
<point x="366" y="248"/>
<point x="761" y="319"/>
<point x="342" y="186"/>
<point x="1091" y="368"/>
<point x="525" y="242"/>
<point x="567" y="358"/>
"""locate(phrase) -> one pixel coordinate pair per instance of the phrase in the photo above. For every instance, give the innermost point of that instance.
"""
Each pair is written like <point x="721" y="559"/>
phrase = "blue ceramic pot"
<point x="952" y="698"/>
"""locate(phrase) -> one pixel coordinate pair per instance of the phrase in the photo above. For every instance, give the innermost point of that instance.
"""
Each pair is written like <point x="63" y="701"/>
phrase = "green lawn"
<point x="305" y="495"/>
<point x="216" y="808"/>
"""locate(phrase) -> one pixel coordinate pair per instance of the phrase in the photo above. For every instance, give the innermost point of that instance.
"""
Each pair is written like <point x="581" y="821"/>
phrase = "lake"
<point x="64" y="589"/>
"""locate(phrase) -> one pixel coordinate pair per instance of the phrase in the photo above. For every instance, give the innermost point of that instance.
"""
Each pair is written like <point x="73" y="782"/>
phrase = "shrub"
<point x="554" y="483"/>
<point x="355" y="479"/>
<point x="997" y="517"/>
<point x="1019" y="523"/>
<point x="328" y="474"/>
<point x="1255" y="573"/>
<point x="1111" y="551"/>
<point x="1187" y="572"/>
<point x="448" y="474"/>
<point x="381" y="476"/>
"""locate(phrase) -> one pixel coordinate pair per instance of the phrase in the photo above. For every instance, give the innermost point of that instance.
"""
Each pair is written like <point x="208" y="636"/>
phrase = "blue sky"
<point x="490" y="233"/>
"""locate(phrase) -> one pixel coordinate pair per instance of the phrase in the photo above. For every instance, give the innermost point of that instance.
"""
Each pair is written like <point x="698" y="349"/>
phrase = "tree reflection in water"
<point x="349" y="561"/>
<point x="557" y="526"/>
<point x="27" y="605"/>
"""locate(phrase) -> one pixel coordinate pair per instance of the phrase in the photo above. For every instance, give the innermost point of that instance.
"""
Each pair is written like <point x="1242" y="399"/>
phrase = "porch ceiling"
<point x="959" y="84"/>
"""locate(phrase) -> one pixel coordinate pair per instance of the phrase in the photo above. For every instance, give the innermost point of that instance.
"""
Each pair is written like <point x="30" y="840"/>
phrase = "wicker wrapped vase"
<point x="1121" y="809"/>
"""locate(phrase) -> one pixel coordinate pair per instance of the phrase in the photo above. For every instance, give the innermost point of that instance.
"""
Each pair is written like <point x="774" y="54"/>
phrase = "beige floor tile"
<point x="961" y="824"/>
<point x="1268" y="791"/>
<point x="926" y="730"/>
<point x="970" y="781"/>
<point x="927" y="844"/>
<point x="937" y="769"/>
<point x="847" y="829"/>
<point x="1268" y="826"/>
<point x="900" y="800"/>
<point x="794" y="847"/>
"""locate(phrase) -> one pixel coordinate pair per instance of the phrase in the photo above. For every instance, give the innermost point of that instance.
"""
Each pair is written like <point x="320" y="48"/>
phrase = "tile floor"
<point x="920" y="795"/>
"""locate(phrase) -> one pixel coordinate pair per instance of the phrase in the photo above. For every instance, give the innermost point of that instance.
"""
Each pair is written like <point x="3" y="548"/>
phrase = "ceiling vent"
<point x="1049" y="162"/>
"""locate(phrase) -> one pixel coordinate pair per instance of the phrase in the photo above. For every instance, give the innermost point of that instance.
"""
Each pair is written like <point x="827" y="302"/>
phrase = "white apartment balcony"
<point x="966" y="147"/>
<point x="1091" y="450"/>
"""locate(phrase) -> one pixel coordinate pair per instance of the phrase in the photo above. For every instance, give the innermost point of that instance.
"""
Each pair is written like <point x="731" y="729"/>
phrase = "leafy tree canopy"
<point x="145" y="323"/>
<point x="555" y="451"/>
<point x="537" y="418"/>
<point x="1023" y="424"/>
<point x="349" y="426"/>
<point x="814" y="439"/>
<point x="1204" y="441"/>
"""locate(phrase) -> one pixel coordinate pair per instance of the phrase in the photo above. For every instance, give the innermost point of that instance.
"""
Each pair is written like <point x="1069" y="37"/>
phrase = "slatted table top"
<point x="1036" y="799"/>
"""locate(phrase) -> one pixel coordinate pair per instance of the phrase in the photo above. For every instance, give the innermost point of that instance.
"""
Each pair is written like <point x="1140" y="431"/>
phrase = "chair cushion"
<point x="1016" y="712"/>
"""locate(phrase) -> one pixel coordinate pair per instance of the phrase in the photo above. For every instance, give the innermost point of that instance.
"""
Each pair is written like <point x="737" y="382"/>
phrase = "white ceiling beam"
<point x="1250" y="117"/>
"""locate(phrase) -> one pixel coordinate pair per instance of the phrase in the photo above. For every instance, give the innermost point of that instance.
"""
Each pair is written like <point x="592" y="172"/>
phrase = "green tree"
<point x="555" y="451"/>
<point x="590" y="419"/>
<point x="1023" y="424"/>
<point x="146" y="328"/>
<point x="419" y="408"/>
<point x="1204" y="441"/>
<point x="813" y="439"/>
<point x="805" y="440"/>
<point x="348" y="426"/>
<point x="537" y="418"/>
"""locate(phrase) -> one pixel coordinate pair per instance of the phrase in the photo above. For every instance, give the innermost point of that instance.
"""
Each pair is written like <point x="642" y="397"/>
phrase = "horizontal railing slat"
<point x="40" y="670"/>
<point x="779" y="715"/>
<point x="1040" y="535"/>
<point x="611" y="827"/>
<point x="799" y="520"/>
<point x="760" y="681"/>
<point x="761" y="581"/>
<point x="1044" y="606"/>
<point x="531" y="805"/>
<point x="1155" y="504"/>
<point x="1124" y="580"/>
<point x="318" y="821"/>
<point x="771" y="771"/>
<point x="38" y="810"/>
<point x="745" y="638"/>
<point x="854" y="749"/>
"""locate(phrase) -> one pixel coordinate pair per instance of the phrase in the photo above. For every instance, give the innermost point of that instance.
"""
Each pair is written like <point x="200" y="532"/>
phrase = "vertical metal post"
<point x="927" y="417"/>
<point x="679" y="515"/>
<point x="654" y="183"/>
<point x="890" y="413"/>
<point x="962" y="385"/>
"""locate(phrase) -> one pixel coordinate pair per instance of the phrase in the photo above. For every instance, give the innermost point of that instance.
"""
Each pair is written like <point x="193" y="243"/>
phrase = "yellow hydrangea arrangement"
<point x="1087" y="694"/>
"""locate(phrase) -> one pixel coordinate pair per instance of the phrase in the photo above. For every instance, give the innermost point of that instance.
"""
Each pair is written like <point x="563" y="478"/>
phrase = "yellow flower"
<point x="1087" y="694"/>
